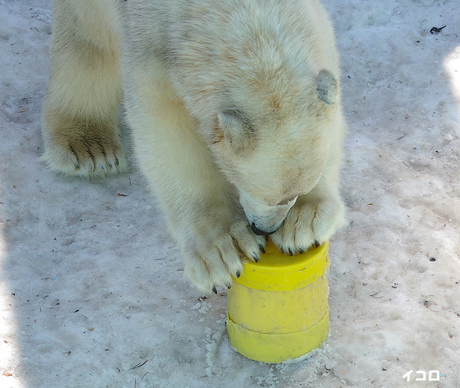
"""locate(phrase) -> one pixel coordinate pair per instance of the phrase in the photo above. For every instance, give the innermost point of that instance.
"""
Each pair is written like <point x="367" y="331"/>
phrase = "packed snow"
<point x="92" y="292"/>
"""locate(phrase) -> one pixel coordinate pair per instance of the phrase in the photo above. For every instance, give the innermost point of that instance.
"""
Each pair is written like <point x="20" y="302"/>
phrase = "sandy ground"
<point x="91" y="285"/>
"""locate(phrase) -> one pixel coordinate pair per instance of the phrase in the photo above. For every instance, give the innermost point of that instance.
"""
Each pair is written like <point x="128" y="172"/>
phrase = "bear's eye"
<point x="285" y="202"/>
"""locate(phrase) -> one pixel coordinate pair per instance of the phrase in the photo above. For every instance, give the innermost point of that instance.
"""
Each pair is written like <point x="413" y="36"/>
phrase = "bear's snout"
<point x="259" y="232"/>
<point x="264" y="219"/>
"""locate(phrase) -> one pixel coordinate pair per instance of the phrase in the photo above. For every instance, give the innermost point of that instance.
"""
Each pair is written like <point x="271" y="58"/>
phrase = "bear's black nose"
<point x="256" y="230"/>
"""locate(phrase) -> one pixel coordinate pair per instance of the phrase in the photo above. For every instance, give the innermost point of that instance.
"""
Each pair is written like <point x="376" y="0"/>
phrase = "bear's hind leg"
<point x="79" y="123"/>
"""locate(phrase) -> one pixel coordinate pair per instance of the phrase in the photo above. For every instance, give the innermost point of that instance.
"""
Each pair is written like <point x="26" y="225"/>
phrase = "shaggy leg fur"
<point x="79" y="121"/>
<point x="316" y="216"/>
<point x="200" y="206"/>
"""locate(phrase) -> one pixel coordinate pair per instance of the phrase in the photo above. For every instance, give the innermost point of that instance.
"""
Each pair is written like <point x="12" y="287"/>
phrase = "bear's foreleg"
<point x="316" y="216"/>
<point x="201" y="208"/>
<point x="79" y="123"/>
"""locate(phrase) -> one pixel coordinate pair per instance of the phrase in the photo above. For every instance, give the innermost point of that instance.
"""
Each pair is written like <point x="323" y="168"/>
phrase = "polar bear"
<point x="235" y="112"/>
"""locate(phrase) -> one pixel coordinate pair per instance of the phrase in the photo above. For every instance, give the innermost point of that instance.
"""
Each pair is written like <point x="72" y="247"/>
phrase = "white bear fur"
<point x="235" y="111"/>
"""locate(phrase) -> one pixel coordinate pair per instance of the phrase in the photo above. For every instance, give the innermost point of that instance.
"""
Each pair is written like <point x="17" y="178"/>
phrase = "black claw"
<point x="290" y="252"/>
<point x="238" y="274"/>
<point x="256" y="259"/>
<point x="316" y="243"/>
<point x="282" y="250"/>
<point x="229" y="286"/>
<point x="261" y="247"/>
<point x="300" y="251"/>
<point x="214" y="289"/>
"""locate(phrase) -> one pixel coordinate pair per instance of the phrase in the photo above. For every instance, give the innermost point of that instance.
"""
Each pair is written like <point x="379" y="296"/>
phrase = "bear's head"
<point x="273" y="147"/>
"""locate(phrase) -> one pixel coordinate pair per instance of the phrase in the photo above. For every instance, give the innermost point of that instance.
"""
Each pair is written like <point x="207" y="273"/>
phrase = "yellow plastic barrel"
<point x="278" y="309"/>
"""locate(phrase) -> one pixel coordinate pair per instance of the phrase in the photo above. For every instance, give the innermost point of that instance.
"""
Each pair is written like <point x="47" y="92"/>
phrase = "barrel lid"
<point x="277" y="271"/>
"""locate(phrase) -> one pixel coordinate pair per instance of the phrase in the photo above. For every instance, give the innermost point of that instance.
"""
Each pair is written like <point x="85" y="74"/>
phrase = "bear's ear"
<point x="326" y="86"/>
<point x="234" y="129"/>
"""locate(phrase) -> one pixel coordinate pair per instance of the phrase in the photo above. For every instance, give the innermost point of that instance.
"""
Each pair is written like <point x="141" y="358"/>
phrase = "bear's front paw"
<point x="85" y="149"/>
<point x="310" y="221"/>
<point x="224" y="257"/>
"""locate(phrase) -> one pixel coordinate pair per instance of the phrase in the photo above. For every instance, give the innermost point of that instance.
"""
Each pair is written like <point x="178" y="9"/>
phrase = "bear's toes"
<point x="296" y="233"/>
<point x="84" y="150"/>
<point x="224" y="259"/>
<point x="247" y="243"/>
<point x="209" y="271"/>
<point x="308" y="225"/>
